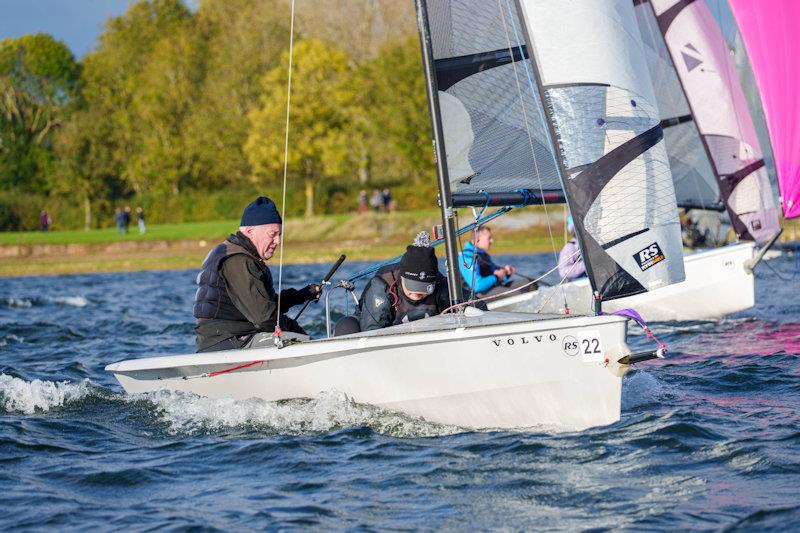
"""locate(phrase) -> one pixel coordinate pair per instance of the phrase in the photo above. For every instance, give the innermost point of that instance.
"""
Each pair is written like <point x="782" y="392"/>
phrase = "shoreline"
<point x="50" y="260"/>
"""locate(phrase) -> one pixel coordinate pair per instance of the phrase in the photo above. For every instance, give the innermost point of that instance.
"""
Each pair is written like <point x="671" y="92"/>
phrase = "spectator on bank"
<point x="376" y="201"/>
<point x="119" y="218"/>
<point x="126" y="217"/>
<point x="386" y="196"/>
<point x="362" y="202"/>
<point x="140" y="219"/>
<point x="45" y="220"/>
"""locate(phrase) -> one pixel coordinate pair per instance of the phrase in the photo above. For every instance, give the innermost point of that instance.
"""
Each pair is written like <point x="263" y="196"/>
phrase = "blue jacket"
<point x="484" y="268"/>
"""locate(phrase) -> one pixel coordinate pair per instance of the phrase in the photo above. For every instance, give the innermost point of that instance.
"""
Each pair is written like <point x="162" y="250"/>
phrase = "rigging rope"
<point x="374" y="268"/>
<point x="285" y="170"/>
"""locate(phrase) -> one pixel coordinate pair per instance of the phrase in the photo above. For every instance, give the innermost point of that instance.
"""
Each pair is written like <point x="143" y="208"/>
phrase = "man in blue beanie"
<point x="235" y="297"/>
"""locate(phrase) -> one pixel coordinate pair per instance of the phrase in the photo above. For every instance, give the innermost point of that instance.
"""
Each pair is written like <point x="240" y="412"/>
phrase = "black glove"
<point x="313" y="292"/>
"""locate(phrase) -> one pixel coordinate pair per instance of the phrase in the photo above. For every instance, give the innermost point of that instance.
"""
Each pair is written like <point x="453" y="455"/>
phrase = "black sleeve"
<point x="291" y="297"/>
<point x="375" y="306"/>
<point x="248" y="288"/>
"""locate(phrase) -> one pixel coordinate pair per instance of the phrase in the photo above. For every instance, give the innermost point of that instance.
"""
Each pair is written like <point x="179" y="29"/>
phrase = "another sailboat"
<point x="716" y="164"/>
<point x="477" y="369"/>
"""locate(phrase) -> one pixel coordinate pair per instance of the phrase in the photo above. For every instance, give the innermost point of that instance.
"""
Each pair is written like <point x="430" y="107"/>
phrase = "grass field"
<point x="176" y="246"/>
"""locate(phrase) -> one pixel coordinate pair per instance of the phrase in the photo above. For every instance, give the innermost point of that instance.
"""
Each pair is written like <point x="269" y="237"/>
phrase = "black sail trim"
<point x="674" y="121"/>
<point x="624" y="238"/>
<point x="666" y="18"/>
<point x="611" y="279"/>
<point x="727" y="183"/>
<point x="452" y="70"/>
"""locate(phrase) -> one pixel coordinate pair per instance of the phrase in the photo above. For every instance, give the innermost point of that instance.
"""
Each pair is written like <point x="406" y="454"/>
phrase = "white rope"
<point x="285" y="165"/>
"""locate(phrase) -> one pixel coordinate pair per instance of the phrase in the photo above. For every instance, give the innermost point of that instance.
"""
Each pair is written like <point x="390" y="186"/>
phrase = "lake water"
<point x="709" y="438"/>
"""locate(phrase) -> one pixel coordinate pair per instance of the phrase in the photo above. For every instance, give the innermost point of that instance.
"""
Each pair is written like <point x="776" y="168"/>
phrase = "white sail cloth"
<point x="601" y="101"/>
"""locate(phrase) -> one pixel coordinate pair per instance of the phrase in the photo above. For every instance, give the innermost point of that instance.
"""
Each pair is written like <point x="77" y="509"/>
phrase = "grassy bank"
<point x="307" y="240"/>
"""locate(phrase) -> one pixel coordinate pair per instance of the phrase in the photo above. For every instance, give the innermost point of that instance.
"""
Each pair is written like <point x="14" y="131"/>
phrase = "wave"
<point x="29" y="397"/>
<point x="23" y="303"/>
<point x="188" y="413"/>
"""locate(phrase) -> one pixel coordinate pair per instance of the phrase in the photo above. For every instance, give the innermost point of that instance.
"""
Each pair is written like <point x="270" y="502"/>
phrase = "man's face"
<point x="413" y="296"/>
<point x="484" y="240"/>
<point x="265" y="238"/>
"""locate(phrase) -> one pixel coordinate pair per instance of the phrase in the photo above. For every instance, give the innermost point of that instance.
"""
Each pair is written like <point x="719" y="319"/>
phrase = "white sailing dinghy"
<point x="477" y="369"/>
<point x="716" y="164"/>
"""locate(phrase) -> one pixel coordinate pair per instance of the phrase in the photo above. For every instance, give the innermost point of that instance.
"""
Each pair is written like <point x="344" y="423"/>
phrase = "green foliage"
<point x="323" y="138"/>
<point x="183" y="113"/>
<point x="38" y="80"/>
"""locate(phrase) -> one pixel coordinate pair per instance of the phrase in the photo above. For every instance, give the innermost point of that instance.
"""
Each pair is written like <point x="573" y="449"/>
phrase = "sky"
<point x="75" y="22"/>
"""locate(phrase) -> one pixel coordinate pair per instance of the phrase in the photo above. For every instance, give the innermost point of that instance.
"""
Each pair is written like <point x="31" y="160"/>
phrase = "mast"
<point x="445" y="198"/>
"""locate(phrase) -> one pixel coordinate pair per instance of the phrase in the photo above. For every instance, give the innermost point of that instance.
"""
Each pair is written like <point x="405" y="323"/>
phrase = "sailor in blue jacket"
<point x="480" y="272"/>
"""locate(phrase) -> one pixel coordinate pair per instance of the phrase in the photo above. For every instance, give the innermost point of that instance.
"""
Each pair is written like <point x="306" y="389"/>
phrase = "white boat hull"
<point x="717" y="284"/>
<point x="498" y="370"/>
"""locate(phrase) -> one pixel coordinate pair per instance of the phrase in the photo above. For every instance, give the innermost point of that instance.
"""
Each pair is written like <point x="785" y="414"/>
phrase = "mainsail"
<point x="594" y="80"/>
<point x="708" y="76"/>
<point x="770" y="32"/>
<point x="495" y="134"/>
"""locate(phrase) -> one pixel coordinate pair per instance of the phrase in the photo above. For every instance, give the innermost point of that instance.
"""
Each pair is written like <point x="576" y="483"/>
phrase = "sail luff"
<point x="602" y="112"/>
<point x="769" y="29"/>
<point x="708" y="78"/>
<point x="445" y="205"/>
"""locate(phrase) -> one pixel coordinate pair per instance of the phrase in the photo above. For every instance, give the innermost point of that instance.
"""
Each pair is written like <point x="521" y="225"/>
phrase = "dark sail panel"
<point x="496" y="138"/>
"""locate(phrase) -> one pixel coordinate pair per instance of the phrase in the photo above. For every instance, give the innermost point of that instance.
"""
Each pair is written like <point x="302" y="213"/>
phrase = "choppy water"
<point x="709" y="438"/>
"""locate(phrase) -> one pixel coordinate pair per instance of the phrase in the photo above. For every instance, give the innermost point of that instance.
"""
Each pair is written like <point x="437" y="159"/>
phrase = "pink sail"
<point x="770" y="30"/>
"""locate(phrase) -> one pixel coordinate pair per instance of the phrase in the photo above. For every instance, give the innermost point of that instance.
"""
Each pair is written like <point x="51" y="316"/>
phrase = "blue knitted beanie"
<point x="261" y="211"/>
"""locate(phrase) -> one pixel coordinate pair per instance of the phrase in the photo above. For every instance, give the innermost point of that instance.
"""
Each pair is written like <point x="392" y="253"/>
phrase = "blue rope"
<point x="527" y="198"/>
<point x="469" y="227"/>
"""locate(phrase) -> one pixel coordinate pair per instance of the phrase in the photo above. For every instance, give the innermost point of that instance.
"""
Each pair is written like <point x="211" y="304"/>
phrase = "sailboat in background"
<point x="716" y="164"/>
<point x="769" y="29"/>
<point x="531" y="97"/>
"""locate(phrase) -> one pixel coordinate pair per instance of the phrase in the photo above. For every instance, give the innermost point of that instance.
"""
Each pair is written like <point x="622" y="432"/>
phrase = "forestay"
<point x="708" y="75"/>
<point x="495" y="135"/>
<point x="694" y="178"/>
<point x="599" y="97"/>
<point x="770" y="31"/>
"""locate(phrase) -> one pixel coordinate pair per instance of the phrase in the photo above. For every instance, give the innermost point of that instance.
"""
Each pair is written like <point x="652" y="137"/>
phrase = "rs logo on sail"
<point x="649" y="257"/>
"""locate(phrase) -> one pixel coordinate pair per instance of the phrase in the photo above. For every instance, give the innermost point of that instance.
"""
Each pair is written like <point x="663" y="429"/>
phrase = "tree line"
<point x="183" y="112"/>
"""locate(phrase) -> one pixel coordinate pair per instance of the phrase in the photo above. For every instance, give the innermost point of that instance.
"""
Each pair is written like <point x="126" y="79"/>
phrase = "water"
<point x="709" y="438"/>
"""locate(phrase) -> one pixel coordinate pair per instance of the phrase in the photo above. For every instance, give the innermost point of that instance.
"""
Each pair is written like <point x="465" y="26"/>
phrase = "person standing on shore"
<point x="45" y="220"/>
<point x="236" y="305"/>
<point x="126" y="218"/>
<point x="140" y="219"/>
<point x="119" y="218"/>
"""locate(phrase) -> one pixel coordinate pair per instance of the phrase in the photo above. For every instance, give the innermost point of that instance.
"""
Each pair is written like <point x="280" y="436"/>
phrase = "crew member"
<point x="401" y="292"/>
<point x="481" y="273"/>
<point x="235" y="297"/>
<point x="570" y="262"/>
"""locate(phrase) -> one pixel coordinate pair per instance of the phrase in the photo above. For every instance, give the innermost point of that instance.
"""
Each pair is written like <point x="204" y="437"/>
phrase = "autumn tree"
<point x="38" y="81"/>
<point x="323" y="137"/>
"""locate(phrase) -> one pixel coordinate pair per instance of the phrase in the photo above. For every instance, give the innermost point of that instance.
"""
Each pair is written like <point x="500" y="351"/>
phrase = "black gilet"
<point x="212" y="300"/>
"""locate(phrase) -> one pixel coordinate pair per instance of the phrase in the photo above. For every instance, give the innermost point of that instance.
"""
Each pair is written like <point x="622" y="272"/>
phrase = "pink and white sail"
<point x="770" y="31"/>
<point x="718" y="106"/>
